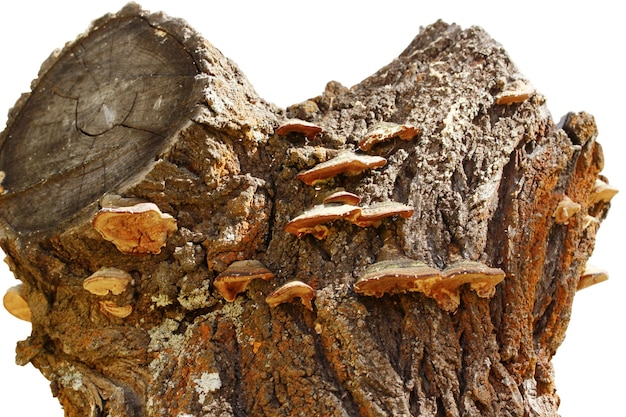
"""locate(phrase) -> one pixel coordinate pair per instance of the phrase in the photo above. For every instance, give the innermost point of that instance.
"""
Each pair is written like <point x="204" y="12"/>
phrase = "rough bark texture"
<point x="141" y="107"/>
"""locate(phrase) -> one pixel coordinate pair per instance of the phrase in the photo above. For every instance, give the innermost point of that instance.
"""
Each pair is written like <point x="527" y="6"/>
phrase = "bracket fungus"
<point x="346" y="162"/>
<point x="602" y="191"/>
<point x="113" y="309"/>
<point x="141" y="228"/>
<point x="565" y="210"/>
<point x="396" y="276"/>
<point x="235" y="279"/>
<point x="374" y="214"/>
<point x="591" y="276"/>
<point x="107" y="279"/>
<point x="343" y="197"/>
<point x="15" y="303"/>
<point x="482" y="279"/>
<point x="312" y="221"/>
<point x="289" y="291"/>
<point x="516" y="92"/>
<point x="384" y="131"/>
<point x="308" y="129"/>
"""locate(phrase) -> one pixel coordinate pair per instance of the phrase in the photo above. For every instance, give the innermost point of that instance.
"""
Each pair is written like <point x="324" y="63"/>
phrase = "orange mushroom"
<point x="374" y="214"/>
<point x="385" y="131"/>
<point x="141" y="228"/>
<point x="591" y="276"/>
<point x="308" y="129"/>
<point x="313" y="220"/>
<point x="343" y="197"/>
<point x="16" y="304"/>
<point x="397" y="276"/>
<point x="347" y="163"/>
<point x="235" y="279"/>
<point x="107" y="279"/>
<point x="516" y="92"/>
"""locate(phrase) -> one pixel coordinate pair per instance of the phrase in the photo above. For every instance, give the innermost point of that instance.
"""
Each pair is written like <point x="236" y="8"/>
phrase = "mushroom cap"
<point x="602" y="191"/>
<point x="516" y="92"/>
<point x="396" y="276"/>
<point x="591" y="276"/>
<point x="565" y="210"/>
<point x="289" y="291"/>
<point x="308" y="129"/>
<point x="344" y="197"/>
<point x="375" y="213"/>
<point x="15" y="303"/>
<point x="384" y="131"/>
<point x="118" y="311"/>
<point x="141" y="228"/>
<point x="482" y="278"/>
<point x="235" y="279"/>
<point x="346" y="162"/>
<point x="107" y="279"/>
<point x="311" y="221"/>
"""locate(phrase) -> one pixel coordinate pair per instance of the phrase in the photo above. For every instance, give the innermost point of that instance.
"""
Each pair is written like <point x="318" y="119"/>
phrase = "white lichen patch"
<point x="70" y="377"/>
<point x="196" y="298"/>
<point x="161" y="300"/>
<point x="163" y="336"/>
<point x="207" y="383"/>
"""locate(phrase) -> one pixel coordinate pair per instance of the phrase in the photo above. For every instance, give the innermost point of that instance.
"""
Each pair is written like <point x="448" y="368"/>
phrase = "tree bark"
<point x="142" y="109"/>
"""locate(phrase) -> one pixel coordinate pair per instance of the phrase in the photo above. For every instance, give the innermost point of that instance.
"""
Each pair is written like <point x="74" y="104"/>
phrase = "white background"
<point x="571" y="51"/>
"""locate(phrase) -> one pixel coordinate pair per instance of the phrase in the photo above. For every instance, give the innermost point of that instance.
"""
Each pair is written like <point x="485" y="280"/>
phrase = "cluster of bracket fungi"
<point x="139" y="227"/>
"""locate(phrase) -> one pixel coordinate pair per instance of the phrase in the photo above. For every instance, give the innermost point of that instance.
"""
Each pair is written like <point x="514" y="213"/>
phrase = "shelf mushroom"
<point x="375" y="213"/>
<point x="565" y="210"/>
<point x="313" y="220"/>
<point x="397" y="276"/>
<point x="15" y="303"/>
<point x="343" y="197"/>
<point x="141" y="228"/>
<point x="235" y="279"/>
<point x="602" y="191"/>
<point x="308" y="129"/>
<point x="482" y="279"/>
<point x="107" y="280"/>
<point x="591" y="276"/>
<point x="291" y="290"/>
<point x="113" y="309"/>
<point x="384" y="131"/>
<point x="346" y="162"/>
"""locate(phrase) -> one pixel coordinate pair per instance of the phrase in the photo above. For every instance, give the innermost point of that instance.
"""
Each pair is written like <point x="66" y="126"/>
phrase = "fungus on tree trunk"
<point x="164" y="119"/>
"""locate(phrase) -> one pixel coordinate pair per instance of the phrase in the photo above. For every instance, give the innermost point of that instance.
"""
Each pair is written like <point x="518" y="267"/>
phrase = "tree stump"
<point x="143" y="165"/>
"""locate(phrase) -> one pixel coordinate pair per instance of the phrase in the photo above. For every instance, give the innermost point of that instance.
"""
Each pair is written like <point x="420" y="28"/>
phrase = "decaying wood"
<point x="140" y="109"/>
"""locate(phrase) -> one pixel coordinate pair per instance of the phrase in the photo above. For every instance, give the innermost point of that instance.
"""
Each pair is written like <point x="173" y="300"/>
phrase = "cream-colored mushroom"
<point x="235" y="279"/>
<point x="565" y="210"/>
<point x="602" y="191"/>
<point x="16" y="304"/>
<point x="289" y="291"/>
<point x="107" y="279"/>
<point x="517" y="91"/>
<point x="141" y="228"/>
<point x="308" y="129"/>
<point x="591" y="276"/>
<point x="113" y="309"/>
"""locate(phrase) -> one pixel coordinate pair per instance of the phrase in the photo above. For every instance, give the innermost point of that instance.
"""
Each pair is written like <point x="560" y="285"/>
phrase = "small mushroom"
<point x="141" y="228"/>
<point x="516" y="92"/>
<point x="107" y="279"/>
<point x="308" y="129"/>
<point x="15" y="303"/>
<point x="396" y="276"/>
<point x="312" y="221"/>
<point x="384" y="131"/>
<point x="482" y="280"/>
<point x="602" y="192"/>
<point x="374" y="214"/>
<point x="115" y="310"/>
<point x="289" y="291"/>
<point x="565" y="210"/>
<point x="235" y="279"/>
<point x="347" y="163"/>
<point x="343" y="197"/>
<point x="591" y="276"/>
